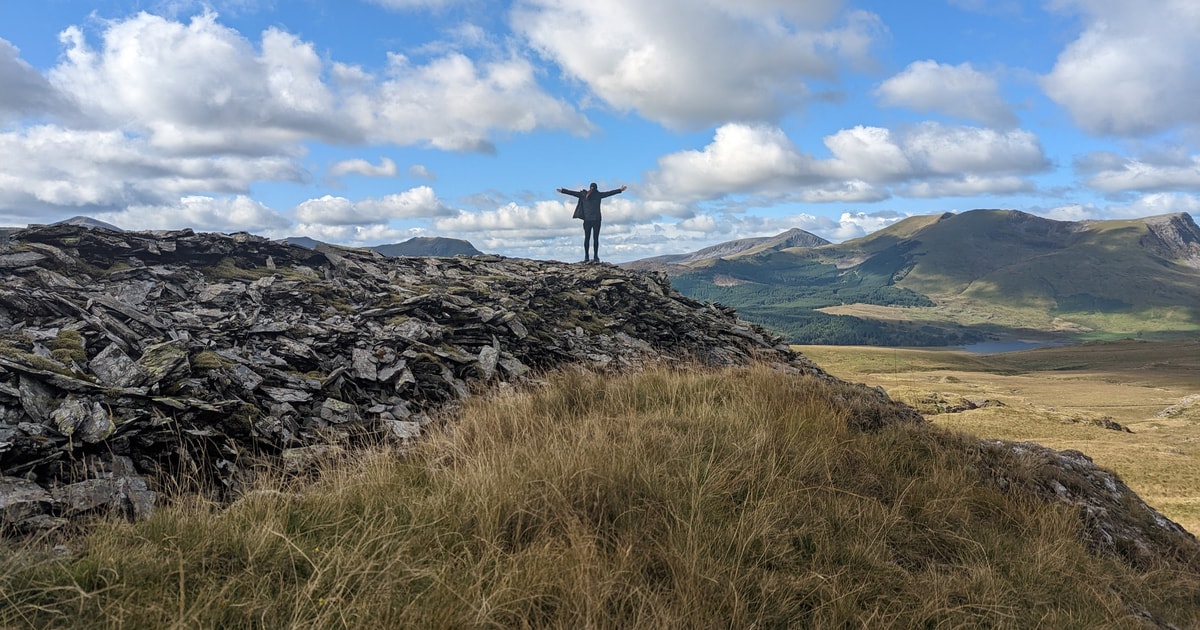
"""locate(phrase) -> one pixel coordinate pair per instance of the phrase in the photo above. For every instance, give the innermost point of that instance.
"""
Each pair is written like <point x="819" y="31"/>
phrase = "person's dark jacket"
<point x="590" y="203"/>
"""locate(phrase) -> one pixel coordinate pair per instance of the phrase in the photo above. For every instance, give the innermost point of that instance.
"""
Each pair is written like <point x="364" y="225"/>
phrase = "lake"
<point x="1014" y="345"/>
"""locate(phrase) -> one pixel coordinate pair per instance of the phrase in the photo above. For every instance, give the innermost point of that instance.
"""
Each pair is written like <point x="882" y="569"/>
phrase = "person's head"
<point x="592" y="186"/>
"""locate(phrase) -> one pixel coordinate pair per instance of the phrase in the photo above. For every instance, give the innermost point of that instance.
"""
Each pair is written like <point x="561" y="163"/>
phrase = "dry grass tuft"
<point x="734" y="498"/>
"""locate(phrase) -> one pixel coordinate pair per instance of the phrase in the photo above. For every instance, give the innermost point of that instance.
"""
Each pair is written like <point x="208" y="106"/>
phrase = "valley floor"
<point x="1070" y="397"/>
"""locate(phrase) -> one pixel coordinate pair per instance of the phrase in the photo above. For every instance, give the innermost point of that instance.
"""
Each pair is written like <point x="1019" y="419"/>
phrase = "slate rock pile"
<point x="131" y="362"/>
<point x="127" y="358"/>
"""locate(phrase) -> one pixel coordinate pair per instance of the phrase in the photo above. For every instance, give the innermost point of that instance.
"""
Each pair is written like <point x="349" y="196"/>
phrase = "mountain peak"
<point x="1175" y="237"/>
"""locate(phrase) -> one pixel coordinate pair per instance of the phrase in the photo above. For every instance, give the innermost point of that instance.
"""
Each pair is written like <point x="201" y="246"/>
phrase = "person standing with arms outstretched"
<point x="588" y="209"/>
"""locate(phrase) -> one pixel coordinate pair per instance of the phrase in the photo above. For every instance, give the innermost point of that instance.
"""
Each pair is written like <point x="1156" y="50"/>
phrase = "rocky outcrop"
<point x="1175" y="237"/>
<point x="127" y="357"/>
<point x="1115" y="519"/>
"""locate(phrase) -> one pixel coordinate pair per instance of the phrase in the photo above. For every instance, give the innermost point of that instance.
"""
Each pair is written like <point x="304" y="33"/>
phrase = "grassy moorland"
<point x="670" y="499"/>
<point x="1060" y="397"/>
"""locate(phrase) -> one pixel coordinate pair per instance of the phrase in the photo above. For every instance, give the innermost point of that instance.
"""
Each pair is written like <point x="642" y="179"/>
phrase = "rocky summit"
<point x="132" y="361"/>
<point x="127" y="359"/>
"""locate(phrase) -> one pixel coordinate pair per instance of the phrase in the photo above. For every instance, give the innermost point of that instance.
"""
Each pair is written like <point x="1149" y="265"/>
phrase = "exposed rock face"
<point x="131" y="354"/>
<point x="1175" y="237"/>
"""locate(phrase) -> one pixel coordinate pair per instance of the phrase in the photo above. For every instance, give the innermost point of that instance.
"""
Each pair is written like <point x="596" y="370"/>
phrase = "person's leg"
<point x="596" y="242"/>
<point x="591" y="236"/>
<point x="587" y="237"/>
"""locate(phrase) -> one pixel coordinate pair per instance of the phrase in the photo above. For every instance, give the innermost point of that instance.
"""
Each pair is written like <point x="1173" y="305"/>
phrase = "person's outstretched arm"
<point x="615" y="191"/>
<point x="573" y="193"/>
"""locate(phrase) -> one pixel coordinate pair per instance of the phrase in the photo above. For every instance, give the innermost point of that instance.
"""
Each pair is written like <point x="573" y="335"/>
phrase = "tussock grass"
<point x="736" y="498"/>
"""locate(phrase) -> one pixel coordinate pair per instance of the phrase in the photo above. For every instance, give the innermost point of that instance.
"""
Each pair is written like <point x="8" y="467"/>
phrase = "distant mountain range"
<point x="794" y="237"/>
<point x="89" y="222"/>
<point x="416" y="246"/>
<point x="955" y="278"/>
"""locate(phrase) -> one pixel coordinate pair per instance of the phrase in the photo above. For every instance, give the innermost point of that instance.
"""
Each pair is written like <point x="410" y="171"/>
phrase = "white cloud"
<point x="1132" y="70"/>
<point x="689" y="64"/>
<point x="920" y="161"/>
<point x="858" y="224"/>
<point x="420" y="202"/>
<point x="966" y="186"/>
<point x="170" y="109"/>
<point x="946" y="150"/>
<point x="960" y="91"/>
<point x="454" y="104"/>
<point x="1157" y="203"/>
<point x="741" y="158"/>
<point x="1143" y="206"/>
<point x="866" y="153"/>
<point x="351" y="235"/>
<point x="49" y="168"/>
<point x="203" y="87"/>
<point x="25" y="91"/>
<point x="546" y="219"/>
<point x="420" y="172"/>
<point x="386" y="168"/>
<point x="200" y="86"/>
<point x="1111" y="173"/>
<point x="850" y="191"/>
<point x="223" y="214"/>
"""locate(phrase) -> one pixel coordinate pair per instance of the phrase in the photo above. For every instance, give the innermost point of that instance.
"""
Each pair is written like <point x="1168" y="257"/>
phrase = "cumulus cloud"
<point x="1131" y="72"/>
<point x="865" y="163"/>
<point x="1157" y="203"/>
<point x="1161" y="172"/>
<point x="741" y="158"/>
<point x="687" y="64"/>
<point x="25" y="91"/>
<point x="162" y="110"/>
<point x="224" y="214"/>
<point x="1142" y="206"/>
<point x="419" y="171"/>
<point x="202" y="86"/>
<point x="966" y="186"/>
<point x="945" y="150"/>
<point x="960" y="91"/>
<point x="385" y="168"/>
<point x="353" y="235"/>
<point x="420" y="202"/>
<point x="453" y="103"/>
<point x="48" y="167"/>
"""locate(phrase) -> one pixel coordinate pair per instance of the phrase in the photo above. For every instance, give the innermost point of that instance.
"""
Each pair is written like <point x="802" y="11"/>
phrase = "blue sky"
<point x="363" y="122"/>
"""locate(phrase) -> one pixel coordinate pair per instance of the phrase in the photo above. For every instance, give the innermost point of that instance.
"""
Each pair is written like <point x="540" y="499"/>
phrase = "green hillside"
<point x="955" y="278"/>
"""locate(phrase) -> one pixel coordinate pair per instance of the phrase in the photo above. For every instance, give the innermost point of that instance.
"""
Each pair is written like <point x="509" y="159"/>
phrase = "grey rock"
<point x="162" y="361"/>
<point x="36" y="397"/>
<point x="125" y="495"/>
<point x="337" y="412"/>
<point x="404" y="430"/>
<point x="114" y="368"/>
<point x="82" y="419"/>
<point x="21" y="499"/>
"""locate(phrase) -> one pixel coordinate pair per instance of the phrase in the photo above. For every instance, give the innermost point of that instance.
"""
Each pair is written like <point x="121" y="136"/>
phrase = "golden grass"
<point x="670" y="499"/>
<point x="1052" y="396"/>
